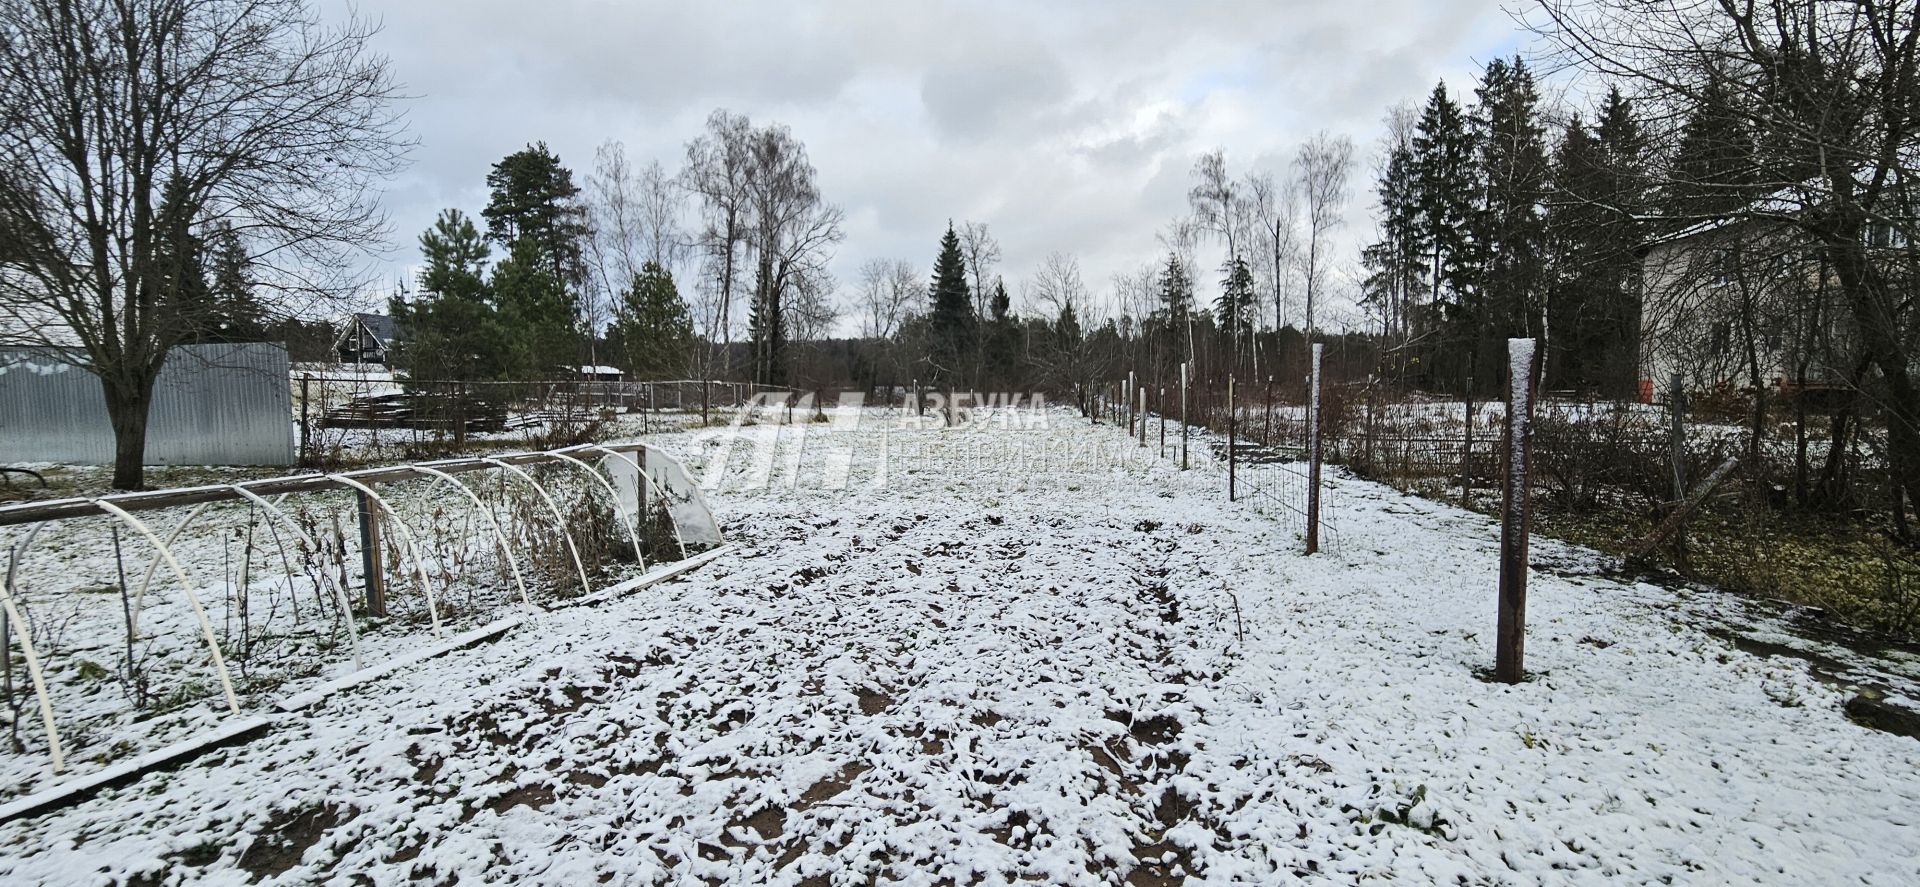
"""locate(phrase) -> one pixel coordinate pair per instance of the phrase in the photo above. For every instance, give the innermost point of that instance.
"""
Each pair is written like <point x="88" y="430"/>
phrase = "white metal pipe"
<point x="25" y="632"/>
<point x="560" y="520"/>
<point x="499" y="535"/>
<point x="327" y="577"/>
<point x="133" y="611"/>
<point x="413" y="550"/>
<point x="199" y="612"/>
<point x="652" y="484"/>
<point x="613" y="496"/>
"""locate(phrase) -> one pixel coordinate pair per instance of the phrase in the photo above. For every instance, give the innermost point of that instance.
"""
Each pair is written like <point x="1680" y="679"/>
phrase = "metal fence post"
<point x="306" y="382"/>
<point x="1143" y="416"/>
<point x="1313" y="452"/>
<point x="1231" y="457"/>
<point x="1515" y="514"/>
<point x="1466" y="451"/>
<point x="1183" y="415"/>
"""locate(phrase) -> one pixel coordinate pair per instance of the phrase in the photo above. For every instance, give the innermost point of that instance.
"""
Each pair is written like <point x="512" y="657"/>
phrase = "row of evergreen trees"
<point x="525" y="318"/>
<point x="1485" y="235"/>
<point x="1489" y="228"/>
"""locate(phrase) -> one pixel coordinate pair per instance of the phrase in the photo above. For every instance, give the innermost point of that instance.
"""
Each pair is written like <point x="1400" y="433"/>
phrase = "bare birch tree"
<point x="1322" y="168"/>
<point x="888" y="290"/>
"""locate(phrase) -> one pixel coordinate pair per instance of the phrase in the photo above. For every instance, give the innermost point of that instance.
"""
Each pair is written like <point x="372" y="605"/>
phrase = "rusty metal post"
<point x="1183" y="415"/>
<point x="1515" y="513"/>
<point x="1313" y="452"/>
<point x="1231" y="457"/>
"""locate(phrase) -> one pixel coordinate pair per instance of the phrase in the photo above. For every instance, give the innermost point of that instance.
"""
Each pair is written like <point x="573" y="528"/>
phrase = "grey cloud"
<point x="974" y="98"/>
<point x="1065" y="126"/>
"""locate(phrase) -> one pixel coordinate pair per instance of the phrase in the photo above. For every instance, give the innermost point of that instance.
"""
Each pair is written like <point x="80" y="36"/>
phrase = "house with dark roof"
<point x="366" y="338"/>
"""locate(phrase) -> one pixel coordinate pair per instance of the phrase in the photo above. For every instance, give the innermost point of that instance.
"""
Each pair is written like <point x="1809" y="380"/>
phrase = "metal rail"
<point x="57" y="509"/>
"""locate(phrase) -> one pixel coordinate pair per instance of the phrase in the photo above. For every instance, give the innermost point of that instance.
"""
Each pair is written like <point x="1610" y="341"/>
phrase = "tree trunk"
<point x="128" y="400"/>
<point x="1877" y="321"/>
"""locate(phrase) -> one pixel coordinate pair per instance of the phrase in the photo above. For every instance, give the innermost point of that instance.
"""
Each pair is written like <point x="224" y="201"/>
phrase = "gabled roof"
<point x="379" y="326"/>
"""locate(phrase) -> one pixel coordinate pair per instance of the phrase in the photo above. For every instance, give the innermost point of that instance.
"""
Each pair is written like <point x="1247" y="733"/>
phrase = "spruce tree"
<point x="1001" y="343"/>
<point x="1510" y="239"/>
<point x="950" y="323"/>
<point x="1597" y="198"/>
<point x="238" y="314"/>
<point x="1396" y="262"/>
<point x="1234" y="308"/>
<point x="1446" y="180"/>
<point x="1176" y="291"/>
<point x="452" y="329"/>
<point x="1574" y="221"/>
<point x="1713" y="168"/>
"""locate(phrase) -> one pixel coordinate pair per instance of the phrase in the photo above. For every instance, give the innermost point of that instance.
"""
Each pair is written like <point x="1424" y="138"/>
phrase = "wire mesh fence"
<point x="345" y="417"/>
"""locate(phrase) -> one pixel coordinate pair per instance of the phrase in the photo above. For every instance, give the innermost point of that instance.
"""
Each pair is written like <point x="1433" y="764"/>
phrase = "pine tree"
<point x="950" y="324"/>
<point x="532" y="196"/>
<point x="453" y="329"/>
<point x="652" y="330"/>
<point x="536" y="309"/>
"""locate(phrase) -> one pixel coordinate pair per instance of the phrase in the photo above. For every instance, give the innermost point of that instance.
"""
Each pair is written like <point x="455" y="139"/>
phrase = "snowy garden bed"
<point x="1036" y="651"/>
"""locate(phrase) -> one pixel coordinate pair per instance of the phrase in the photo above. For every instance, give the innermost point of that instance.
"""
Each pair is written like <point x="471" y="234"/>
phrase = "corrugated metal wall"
<point x="213" y="405"/>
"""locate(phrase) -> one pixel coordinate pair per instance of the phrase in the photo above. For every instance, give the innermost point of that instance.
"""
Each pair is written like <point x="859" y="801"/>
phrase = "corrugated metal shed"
<point x="213" y="405"/>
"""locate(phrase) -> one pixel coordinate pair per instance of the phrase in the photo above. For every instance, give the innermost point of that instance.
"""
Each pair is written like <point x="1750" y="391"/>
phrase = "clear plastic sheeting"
<point x="685" y="503"/>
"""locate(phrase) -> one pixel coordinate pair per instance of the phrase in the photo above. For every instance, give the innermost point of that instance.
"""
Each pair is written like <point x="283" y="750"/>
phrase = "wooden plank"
<point x="486" y="632"/>
<point x="657" y="574"/>
<point x="75" y="790"/>
<point x="1679" y="516"/>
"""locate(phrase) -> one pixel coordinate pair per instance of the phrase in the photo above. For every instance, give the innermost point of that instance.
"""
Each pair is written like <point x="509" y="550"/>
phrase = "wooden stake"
<point x="371" y="569"/>
<point x="1679" y="516"/>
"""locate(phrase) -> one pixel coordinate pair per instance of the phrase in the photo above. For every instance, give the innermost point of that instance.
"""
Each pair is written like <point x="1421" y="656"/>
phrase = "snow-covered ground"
<point x="1031" y="651"/>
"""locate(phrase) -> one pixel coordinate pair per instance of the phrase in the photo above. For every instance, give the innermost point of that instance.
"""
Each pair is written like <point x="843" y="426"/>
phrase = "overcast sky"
<point x="1064" y="126"/>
